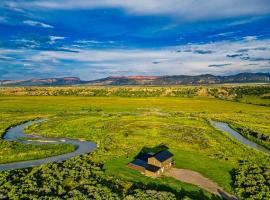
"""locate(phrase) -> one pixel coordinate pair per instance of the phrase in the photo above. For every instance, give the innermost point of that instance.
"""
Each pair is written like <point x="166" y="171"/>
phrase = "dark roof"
<point x="152" y="168"/>
<point x="144" y="156"/>
<point x="140" y="163"/>
<point x="163" y="155"/>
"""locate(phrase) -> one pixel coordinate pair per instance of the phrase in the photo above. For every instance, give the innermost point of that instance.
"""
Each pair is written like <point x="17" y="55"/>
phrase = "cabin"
<point x="152" y="163"/>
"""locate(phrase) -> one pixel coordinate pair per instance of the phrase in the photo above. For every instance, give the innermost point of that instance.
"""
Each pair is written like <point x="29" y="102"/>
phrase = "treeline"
<point x="252" y="181"/>
<point x="100" y="91"/>
<point x="80" y="178"/>
<point x="222" y="92"/>
<point x="238" y="92"/>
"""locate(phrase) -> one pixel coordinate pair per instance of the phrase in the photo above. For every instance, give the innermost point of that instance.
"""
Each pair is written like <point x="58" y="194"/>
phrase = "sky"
<point x="93" y="39"/>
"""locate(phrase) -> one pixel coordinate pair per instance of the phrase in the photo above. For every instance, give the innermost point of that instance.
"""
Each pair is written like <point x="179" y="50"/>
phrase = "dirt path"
<point x="199" y="180"/>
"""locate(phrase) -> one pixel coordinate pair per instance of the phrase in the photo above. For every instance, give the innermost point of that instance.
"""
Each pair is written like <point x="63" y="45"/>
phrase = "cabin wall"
<point x="154" y="161"/>
<point x="136" y="167"/>
<point x="166" y="164"/>
<point x="152" y="174"/>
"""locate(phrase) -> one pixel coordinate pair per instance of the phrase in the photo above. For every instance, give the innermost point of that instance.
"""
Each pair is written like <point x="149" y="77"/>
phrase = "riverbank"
<point x="238" y="136"/>
<point x="247" y="134"/>
<point x="16" y="134"/>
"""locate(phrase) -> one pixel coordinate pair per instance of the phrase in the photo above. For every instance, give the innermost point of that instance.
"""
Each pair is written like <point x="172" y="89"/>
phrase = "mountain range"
<point x="204" y="79"/>
<point x="42" y="82"/>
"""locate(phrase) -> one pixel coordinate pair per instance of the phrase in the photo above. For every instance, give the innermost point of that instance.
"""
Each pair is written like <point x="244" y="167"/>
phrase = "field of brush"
<point x="122" y="126"/>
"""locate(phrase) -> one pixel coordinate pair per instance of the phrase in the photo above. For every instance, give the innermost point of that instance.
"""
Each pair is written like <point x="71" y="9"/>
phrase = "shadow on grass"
<point x="155" y="149"/>
<point x="233" y="174"/>
<point x="147" y="152"/>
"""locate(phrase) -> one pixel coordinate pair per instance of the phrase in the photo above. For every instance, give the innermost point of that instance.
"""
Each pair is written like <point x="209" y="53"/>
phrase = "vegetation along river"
<point x="16" y="134"/>
<point x="226" y="128"/>
<point x="83" y="147"/>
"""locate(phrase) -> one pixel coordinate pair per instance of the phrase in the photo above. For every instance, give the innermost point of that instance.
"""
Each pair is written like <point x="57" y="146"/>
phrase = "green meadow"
<point x="122" y="126"/>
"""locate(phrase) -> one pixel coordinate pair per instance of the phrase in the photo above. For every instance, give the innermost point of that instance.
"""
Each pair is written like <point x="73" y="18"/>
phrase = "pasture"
<point x="121" y="126"/>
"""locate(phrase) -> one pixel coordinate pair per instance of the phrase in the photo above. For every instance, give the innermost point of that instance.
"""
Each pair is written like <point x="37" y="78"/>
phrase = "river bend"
<point x="16" y="134"/>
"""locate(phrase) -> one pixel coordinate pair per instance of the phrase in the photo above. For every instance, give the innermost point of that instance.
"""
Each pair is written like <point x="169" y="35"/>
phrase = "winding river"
<point x="83" y="147"/>
<point x="226" y="128"/>
<point x="16" y="133"/>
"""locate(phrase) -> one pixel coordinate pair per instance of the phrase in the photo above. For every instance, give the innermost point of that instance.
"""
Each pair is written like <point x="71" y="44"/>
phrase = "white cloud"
<point x="89" y="42"/>
<point x="244" y="21"/>
<point x="182" y="9"/>
<point x="27" y="42"/>
<point x="53" y="39"/>
<point x="85" y="43"/>
<point x="38" y="24"/>
<point x="224" y="34"/>
<point x="250" y="38"/>
<point x="6" y="58"/>
<point x="10" y="51"/>
<point x="169" y="61"/>
<point x="92" y="64"/>
<point x="12" y="6"/>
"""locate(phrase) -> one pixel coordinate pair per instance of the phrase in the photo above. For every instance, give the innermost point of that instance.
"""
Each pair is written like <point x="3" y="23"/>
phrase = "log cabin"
<point x="152" y="164"/>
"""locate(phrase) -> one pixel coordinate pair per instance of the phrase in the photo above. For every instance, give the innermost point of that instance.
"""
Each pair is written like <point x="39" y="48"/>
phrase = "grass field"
<point x="12" y="151"/>
<point x="122" y="126"/>
<point x="257" y="100"/>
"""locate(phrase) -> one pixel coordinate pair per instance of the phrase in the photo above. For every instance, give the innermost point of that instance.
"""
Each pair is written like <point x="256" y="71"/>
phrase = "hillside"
<point x="204" y="79"/>
<point x="42" y="82"/>
<point x="184" y="79"/>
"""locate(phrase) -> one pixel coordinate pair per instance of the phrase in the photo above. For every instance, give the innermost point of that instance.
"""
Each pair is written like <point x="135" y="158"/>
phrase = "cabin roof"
<point x="152" y="168"/>
<point x="140" y="162"/>
<point x="163" y="155"/>
<point x="143" y="156"/>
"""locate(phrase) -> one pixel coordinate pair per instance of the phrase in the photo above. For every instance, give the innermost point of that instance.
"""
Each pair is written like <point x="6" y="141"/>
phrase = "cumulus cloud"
<point x="53" y="39"/>
<point x="95" y="63"/>
<point x="215" y="57"/>
<point x="124" y="43"/>
<point x="38" y="24"/>
<point x="250" y="38"/>
<point x="182" y="9"/>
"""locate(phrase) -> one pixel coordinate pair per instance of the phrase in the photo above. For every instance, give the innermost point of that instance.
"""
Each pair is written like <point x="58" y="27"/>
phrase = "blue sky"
<point x="93" y="39"/>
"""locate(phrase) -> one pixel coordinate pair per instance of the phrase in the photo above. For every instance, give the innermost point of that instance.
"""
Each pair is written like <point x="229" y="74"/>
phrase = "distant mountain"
<point x="183" y="79"/>
<point x="204" y="79"/>
<point x="42" y="82"/>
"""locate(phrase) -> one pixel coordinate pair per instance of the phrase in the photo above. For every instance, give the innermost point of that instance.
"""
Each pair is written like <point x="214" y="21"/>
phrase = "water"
<point x="226" y="128"/>
<point x="15" y="133"/>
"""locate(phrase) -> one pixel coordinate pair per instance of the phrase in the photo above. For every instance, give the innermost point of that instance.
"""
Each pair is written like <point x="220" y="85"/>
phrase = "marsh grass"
<point x="122" y="126"/>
